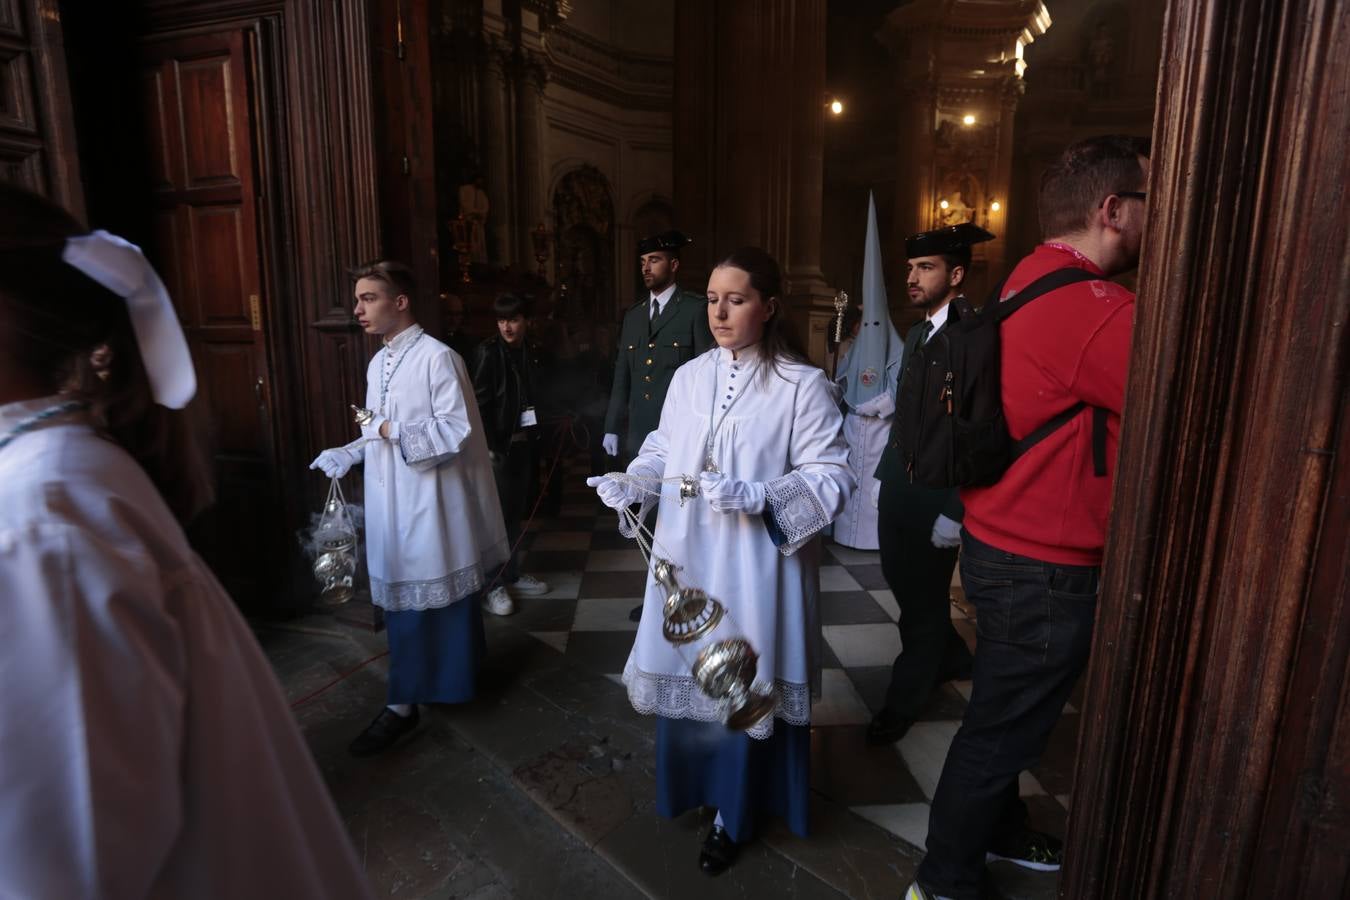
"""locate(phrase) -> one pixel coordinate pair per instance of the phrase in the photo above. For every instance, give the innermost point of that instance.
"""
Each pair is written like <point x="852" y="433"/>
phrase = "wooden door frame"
<point x="1213" y="754"/>
<point x="311" y="83"/>
<point x="30" y="30"/>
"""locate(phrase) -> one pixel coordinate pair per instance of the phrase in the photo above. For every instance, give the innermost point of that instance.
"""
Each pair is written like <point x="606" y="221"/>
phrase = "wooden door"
<point x="208" y="245"/>
<point x="37" y="133"/>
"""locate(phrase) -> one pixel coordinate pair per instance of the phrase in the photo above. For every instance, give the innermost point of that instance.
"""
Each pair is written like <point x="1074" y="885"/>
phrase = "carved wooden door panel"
<point x="202" y="140"/>
<point x="37" y="134"/>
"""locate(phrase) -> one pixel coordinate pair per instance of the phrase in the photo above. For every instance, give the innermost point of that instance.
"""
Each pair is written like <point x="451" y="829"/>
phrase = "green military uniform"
<point x="649" y="352"/>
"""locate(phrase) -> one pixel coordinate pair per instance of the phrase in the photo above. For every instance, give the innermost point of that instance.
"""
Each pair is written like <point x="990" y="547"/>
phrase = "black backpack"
<point x="949" y="405"/>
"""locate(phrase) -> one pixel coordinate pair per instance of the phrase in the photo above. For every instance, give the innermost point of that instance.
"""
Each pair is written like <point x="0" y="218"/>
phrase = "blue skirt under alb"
<point x="747" y="781"/>
<point x="434" y="654"/>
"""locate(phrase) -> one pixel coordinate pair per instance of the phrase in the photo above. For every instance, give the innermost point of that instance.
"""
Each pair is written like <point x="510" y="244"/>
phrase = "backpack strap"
<point x="1050" y="428"/>
<point x="1098" y="442"/>
<point x="1058" y="422"/>
<point x="1043" y="285"/>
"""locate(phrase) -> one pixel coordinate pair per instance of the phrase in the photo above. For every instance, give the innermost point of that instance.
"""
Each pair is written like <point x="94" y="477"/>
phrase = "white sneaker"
<point x="498" y="602"/>
<point x="529" y="586"/>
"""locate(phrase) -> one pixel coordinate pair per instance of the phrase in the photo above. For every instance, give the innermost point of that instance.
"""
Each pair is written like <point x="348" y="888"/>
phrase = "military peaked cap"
<point x="670" y="241"/>
<point x="952" y="239"/>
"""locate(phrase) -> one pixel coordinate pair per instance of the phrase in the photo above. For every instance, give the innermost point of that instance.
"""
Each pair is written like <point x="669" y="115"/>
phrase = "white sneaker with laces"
<point x="529" y="586"/>
<point x="499" y="602"/>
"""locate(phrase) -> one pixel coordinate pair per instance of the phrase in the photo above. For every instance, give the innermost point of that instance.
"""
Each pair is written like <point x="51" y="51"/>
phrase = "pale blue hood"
<point x="872" y="365"/>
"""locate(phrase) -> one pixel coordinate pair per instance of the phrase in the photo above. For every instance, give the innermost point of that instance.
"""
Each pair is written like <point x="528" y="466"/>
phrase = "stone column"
<point x="750" y="143"/>
<point x="808" y="142"/>
<point x="914" y="168"/>
<point x="1000" y="179"/>
<point x="495" y="148"/>
<point x="530" y="78"/>
<point x="811" y="299"/>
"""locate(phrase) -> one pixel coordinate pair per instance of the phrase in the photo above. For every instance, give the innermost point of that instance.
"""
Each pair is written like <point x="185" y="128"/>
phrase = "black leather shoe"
<point x="381" y="734"/>
<point x="887" y="729"/>
<point x="718" y="853"/>
<point x="635" y="614"/>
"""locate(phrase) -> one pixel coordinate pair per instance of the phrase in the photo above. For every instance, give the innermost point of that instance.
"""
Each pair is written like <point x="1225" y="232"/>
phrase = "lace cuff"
<point x="419" y="450"/>
<point x="678" y="697"/>
<point x="795" y="510"/>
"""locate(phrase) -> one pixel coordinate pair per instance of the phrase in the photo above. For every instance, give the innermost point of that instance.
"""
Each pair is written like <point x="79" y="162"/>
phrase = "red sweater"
<point x="1068" y="345"/>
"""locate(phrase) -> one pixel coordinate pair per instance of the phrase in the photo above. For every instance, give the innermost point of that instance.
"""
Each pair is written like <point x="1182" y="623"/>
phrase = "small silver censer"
<point x="724" y="663"/>
<point x="334" y="540"/>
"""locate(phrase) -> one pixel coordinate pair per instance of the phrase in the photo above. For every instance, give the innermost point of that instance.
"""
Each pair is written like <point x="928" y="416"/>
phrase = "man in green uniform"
<point x="918" y="528"/>
<point x="661" y="332"/>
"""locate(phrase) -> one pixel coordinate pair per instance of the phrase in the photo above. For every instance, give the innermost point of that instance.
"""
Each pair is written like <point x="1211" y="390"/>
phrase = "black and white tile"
<point x="596" y="576"/>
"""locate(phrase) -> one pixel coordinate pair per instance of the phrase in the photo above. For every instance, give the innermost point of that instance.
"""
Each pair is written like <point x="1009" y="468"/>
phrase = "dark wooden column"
<point x="1215" y="748"/>
<point x="749" y="137"/>
<point x="403" y="121"/>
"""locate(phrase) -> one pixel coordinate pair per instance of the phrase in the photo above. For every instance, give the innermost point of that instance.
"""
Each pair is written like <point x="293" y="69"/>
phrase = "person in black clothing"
<point x="506" y="383"/>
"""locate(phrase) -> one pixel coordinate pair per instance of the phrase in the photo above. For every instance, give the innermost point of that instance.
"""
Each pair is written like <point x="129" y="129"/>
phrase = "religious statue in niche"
<point x="584" y="223"/>
<point x="474" y="206"/>
<point x="957" y="211"/>
<point x="582" y="197"/>
<point x="959" y="199"/>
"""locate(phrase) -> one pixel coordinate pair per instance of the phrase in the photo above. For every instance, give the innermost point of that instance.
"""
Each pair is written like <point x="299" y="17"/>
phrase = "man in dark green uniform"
<point x="661" y="332"/>
<point x="919" y="528"/>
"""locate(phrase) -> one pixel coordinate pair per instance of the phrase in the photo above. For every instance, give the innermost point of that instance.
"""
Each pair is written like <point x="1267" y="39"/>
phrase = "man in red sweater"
<point x="1032" y="549"/>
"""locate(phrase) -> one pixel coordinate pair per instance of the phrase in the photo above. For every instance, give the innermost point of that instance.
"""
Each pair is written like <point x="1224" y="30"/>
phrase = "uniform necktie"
<point x="656" y="308"/>
<point x="917" y="335"/>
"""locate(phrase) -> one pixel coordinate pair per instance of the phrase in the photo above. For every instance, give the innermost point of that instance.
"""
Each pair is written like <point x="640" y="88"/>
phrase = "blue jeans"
<point x="1034" y="625"/>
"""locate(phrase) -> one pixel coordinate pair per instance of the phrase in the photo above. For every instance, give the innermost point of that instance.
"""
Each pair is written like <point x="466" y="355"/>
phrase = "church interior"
<point x="258" y="150"/>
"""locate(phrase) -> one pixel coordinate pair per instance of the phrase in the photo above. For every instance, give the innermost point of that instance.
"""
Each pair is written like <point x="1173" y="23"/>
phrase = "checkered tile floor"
<point x="596" y="576"/>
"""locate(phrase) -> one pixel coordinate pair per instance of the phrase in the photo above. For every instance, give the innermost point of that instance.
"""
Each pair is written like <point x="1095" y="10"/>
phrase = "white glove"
<point x="946" y="533"/>
<point x="881" y="405"/>
<point x="611" y="444"/>
<point x="614" y="493"/>
<point x="729" y="495"/>
<point x="876" y="494"/>
<point x="371" y="431"/>
<point x="336" y="462"/>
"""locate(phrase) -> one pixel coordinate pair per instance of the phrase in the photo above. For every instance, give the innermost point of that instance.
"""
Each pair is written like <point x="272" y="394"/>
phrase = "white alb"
<point x="784" y="433"/>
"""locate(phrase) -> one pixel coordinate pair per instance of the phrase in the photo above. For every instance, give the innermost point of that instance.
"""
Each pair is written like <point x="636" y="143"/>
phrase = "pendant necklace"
<point x="709" y="465"/>
<point x="387" y="373"/>
<point x="33" y="421"/>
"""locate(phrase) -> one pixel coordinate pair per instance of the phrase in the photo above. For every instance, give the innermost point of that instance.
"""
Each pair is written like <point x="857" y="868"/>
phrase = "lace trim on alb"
<point x="795" y="510"/>
<point x="414" y="440"/>
<point x="679" y="697"/>
<point x="434" y="593"/>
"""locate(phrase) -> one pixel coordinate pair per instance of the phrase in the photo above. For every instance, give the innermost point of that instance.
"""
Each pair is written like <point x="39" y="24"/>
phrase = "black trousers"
<point x="1034" y="623"/>
<point x="920" y="577"/>
<point x="516" y="471"/>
